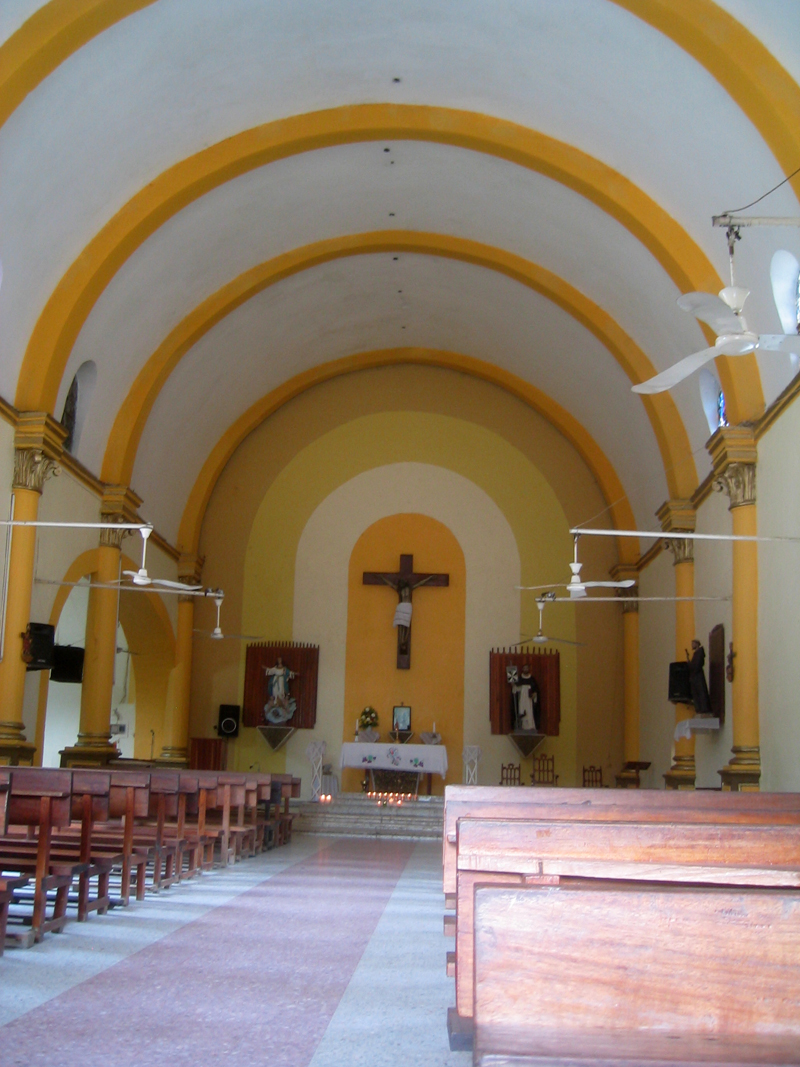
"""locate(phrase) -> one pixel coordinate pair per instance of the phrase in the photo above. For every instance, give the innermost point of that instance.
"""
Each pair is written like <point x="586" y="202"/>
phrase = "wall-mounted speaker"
<point x="37" y="646"/>
<point x="228" y="724"/>
<point x="67" y="664"/>
<point x="680" y="689"/>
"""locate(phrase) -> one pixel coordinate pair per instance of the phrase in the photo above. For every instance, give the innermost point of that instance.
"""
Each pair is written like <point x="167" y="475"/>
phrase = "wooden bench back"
<point x="614" y="968"/>
<point x="138" y="783"/>
<point x="614" y="850"/>
<point x="236" y="783"/>
<point x="30" y="786"/>
<point x="91" y="794"/>
<point x="164" y="788"/>
<point x="611" y="805"/>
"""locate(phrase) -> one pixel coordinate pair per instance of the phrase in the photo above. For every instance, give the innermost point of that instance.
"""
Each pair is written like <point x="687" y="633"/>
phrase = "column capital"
<point x="38" y="445"/>
<point x="734" y="456"/>
<point x="119" y="504"/>
<point x="677" y="516"/>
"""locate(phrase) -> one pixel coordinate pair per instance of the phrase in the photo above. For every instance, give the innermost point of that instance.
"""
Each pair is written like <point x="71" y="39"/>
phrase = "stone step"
<point x="355" y="815"/>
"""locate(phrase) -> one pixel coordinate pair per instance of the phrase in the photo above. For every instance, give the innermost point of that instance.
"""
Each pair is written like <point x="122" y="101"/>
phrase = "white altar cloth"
<point x="417" y="759"/>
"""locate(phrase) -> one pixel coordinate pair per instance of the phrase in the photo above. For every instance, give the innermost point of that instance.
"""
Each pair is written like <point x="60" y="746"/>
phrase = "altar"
<point x="405" y="759"/>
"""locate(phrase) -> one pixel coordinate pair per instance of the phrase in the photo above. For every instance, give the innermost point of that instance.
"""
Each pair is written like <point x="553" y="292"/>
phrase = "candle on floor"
<point x="434" y="726"/>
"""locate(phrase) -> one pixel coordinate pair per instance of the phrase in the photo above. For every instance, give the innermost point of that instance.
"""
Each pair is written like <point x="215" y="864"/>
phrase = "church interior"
<point x="300" y="298"/>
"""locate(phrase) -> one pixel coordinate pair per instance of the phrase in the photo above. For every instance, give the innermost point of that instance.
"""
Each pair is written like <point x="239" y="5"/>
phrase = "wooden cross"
<point x="404" y="582"/>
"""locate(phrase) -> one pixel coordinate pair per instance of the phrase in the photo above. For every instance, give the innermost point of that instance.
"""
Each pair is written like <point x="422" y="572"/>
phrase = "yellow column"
<point x="94" y="747"/>
<point x="38" y="441"/>
<point x="176" y="726"/>
<point x="676" y="516"/>
<point x="733" y="453"/>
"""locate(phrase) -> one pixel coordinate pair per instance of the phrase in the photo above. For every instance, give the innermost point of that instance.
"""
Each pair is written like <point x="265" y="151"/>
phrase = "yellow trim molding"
<point x="51" y="35"/>
<point x="77" y="292"/>
<point x="583" y="442"/>
<point x="123" y="442"/>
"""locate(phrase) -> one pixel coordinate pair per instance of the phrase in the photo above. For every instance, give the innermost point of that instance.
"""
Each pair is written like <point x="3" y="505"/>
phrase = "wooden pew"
<point x="646" y="805"/>
<point x="633" y="974"/>
<point x="40" y="801"/>
<point x="523" y="852"/>
<point x="511" y="805"/>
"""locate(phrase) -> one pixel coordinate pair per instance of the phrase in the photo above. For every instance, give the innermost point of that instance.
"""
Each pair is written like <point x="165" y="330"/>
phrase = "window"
<point x="76" y="405"/>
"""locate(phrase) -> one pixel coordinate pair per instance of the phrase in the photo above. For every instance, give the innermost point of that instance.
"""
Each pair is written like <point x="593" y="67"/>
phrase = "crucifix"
<point x="404" y="582"/>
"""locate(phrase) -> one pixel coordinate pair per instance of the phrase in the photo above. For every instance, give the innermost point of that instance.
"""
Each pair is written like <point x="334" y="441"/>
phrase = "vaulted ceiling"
<point x="208" y="198"/>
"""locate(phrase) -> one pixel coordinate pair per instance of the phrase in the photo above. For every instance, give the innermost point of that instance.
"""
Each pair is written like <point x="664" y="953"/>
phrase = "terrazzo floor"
<point x="326" y="952"/>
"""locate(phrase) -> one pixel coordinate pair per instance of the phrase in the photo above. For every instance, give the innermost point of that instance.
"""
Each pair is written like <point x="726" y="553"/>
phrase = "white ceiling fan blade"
<point x="780" y="342"/>
<point x="669" y="378"/>
<point x="553" y="585"/>
<point x="541" y="639"/>
<point x="784" y="274"/>
<point x="175" y="585"/>
<point x="610" y="585"/>
<point x="139" y="577"/>
<point x="711" y="310"/>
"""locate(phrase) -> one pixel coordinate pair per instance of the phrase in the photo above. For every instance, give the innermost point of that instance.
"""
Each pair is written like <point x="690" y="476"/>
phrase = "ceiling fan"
<point x="723" y="313"/>
<point x="575" y="587"/>
<point x="540" y="638"/>
<point x="141" y="577"/>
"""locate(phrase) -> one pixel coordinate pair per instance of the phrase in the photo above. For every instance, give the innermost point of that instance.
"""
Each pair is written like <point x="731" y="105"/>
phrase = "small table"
<point x="411" y="759"/>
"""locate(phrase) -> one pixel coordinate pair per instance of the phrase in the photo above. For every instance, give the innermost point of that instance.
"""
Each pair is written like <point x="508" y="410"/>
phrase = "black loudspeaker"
<point x="67" y="664"/>
<point x="680" y="689"/>
<point x="228" y="725"/>
<point x="37" y="646"/>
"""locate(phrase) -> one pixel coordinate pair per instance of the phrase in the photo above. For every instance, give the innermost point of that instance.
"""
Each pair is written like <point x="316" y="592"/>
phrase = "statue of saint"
<point x="526" y="697"/>
<point x="280" y="706"/>
<point x="697" y="679"/>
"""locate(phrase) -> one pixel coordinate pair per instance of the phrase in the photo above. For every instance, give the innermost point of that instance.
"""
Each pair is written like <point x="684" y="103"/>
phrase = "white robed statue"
<point x="280" y="706"/>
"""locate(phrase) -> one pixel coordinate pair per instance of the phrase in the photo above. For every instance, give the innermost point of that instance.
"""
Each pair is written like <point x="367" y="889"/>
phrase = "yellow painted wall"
<point x="434" y="684"/>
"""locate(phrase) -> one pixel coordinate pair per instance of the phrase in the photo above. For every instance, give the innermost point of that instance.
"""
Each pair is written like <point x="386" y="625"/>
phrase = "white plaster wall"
<point x="320" y="600"/>
<point x="779" y="603"/>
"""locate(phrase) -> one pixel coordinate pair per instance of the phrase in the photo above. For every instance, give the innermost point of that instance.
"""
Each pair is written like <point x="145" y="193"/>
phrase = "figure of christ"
<point x="404" y="582"/>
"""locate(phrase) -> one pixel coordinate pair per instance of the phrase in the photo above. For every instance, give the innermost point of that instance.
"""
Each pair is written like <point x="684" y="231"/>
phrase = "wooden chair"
<point x="510" y="774"/>
<point x="544" y="771"/>
<point x="592" y="777"/>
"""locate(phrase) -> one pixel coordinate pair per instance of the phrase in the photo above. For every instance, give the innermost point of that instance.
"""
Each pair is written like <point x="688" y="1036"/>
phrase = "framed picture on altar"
<point x="401" y="717"/>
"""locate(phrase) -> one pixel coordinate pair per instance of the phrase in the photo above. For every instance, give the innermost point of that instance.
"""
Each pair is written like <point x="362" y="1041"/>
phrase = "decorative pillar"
<point x="94" y="747"/>
<point x="38" y="442"/>
<point x="629" y="775"/>
<point x="734" y="455"/>
<point x="176" y="724"/>
<point x="678" y="516"/>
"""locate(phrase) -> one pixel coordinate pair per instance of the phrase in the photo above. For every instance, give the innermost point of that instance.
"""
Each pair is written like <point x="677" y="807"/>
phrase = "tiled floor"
<point x="326" y="952"/>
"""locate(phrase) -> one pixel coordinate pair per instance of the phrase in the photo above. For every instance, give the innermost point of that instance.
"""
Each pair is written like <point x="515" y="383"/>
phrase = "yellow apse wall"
<point x="434" y="684"/>
<point x="264" y="465"/>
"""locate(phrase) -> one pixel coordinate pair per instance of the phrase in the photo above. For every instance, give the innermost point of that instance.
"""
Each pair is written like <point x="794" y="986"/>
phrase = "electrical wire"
<point x="735" y="210"/>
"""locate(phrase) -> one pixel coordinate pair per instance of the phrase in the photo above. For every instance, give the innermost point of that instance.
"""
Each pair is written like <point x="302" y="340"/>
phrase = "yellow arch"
<point x="51" y="35"/>
<point x="673" y="442"/>
<point x="73" y="298"/>
<point x="582" y="441"/>
<point x="83" y="565"/>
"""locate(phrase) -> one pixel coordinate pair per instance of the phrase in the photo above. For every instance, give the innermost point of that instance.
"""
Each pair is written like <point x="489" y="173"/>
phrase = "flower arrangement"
<point x="368" y="719"/>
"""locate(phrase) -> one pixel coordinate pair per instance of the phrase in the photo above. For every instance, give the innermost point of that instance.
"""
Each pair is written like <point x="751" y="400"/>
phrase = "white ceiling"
<point x="183" y="74"/>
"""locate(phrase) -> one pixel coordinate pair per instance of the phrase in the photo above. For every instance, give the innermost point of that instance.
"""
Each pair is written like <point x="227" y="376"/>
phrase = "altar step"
<point x="355" y="815"/>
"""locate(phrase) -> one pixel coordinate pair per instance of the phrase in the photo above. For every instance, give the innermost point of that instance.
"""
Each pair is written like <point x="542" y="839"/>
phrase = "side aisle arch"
<point x="150" y="636"/>
<point x="79" y="289"/>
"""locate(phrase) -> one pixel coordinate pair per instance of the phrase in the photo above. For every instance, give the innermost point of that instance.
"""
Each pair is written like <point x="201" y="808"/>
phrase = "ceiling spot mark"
<point x="395" y="258"/>
<point x="387" y="149"/>
<point x="391" y="214"/>
<point x="395" y="80"/>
